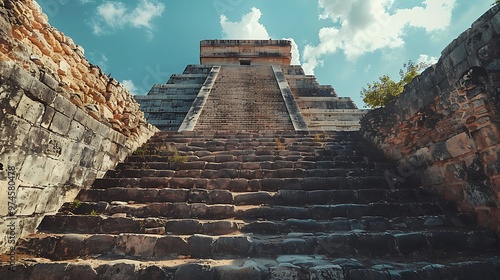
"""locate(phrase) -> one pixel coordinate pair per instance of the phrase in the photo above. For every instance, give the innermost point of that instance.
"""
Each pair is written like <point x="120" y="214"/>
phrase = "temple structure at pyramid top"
<point x="247" y="85"/>
<point x="246" y="52"/>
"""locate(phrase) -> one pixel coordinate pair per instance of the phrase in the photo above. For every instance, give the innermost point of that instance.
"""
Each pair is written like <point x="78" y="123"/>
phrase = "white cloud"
<point x="361" y="26"/>
<point x="113" y="15"/>
<point x="250" y="28"/>
<point x="428" y="60"/>
<point x="295" y="52"/>
<point x="130" y="86"/>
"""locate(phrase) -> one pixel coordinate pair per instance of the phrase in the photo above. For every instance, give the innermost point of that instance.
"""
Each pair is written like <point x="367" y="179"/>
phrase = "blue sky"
<point x="346" y="44"/>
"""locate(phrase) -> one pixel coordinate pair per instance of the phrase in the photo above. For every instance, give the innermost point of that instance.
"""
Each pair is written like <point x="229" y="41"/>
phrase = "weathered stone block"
<point x="6" y="69"/>
<point x="478" y="190"/>
<point x="194" y="271"/>
<point x="439" y="151"/>
<point x="121" y="269"/>
<point x="47" y="117"/>
<point x="285" y="271"/>
<point x="76" y="131"/>
<point x="15" y="133"/>
<point x="362" y="274"/>
<point x="69" y="246"/>
<point x="247" y="272"/>
<point x="42" y="93"/>
<point x="233" y="245"/>
<point x="61" y="173"/>
<point x="479" y="37"/>
<point x="37" y="170"/>
<point x="142" y="246"/>
<point x="201" y="246"/>
<point x="21" y="78"/>
<point x="455" y="172"/>
<point x="155" y="272"/>
<point x="183" y="227"/>
<point x="490" y="158"/>
<point x="421" y="158"/>
<point x="489" y="52"/>
<point x="60" y="270"/>
<point x="50" y="199"/>
<point x="25" y="198"/>
<point x="432" y="176"/>
<point x="63" y="105"/>
<point x="460" y="145"/>
<point x="410" y="243"/>
<point x="487" y="136"/>
<point x="60" y="124"/>
<point x="29" y="110"/>
<point x="49" y="80"/>
<point x="326" y="272"/>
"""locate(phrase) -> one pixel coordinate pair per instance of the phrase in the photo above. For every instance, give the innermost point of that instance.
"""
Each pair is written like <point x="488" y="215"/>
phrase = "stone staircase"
<point x="244" y="98"/>
<point x="273" y="205"/>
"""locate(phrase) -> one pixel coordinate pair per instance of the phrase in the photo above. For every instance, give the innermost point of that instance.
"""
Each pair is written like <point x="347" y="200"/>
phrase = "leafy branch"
<point x="385" y="90"/>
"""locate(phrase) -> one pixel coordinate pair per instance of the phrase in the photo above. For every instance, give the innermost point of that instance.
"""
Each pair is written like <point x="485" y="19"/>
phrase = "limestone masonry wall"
<point x="53" y="58"/>
<point x="63" y="122"/>
<point x="445" y="126"/>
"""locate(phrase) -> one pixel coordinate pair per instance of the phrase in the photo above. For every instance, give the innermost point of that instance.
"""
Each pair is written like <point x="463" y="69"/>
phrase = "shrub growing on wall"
<point x="385" y="90"/>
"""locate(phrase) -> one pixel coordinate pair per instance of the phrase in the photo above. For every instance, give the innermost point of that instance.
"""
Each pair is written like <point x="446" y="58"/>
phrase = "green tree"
<point x="385" y="90"/>
<point x="496" y="2"/>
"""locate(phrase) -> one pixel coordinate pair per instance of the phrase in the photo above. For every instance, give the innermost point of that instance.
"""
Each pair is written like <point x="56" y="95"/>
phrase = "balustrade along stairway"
<point x="265" y="205"/>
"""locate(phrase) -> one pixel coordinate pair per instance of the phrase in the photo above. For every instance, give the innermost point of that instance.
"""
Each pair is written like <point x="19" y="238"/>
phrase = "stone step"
<point x="281" y="197"/>
<point x="101" y="224"/>
<point x="253" y="163"/>
<point x="260" y="150"/>
<point x="218" y="139"/>
<point x="195" y="154"/>
<point x="342" y="244"/>
<point x="244" y="162"/>
<point x="247" y="185"/>
<point x="330" y="136"/>
<point x="183" y="210"/>
<point x="236" y="102"/>
<point x="271" y="139"/>
<point x="258" y="147"/>
<point x="282" y="267"/>
<point x="372" y="224"/>
<point x="233" y="170"/>
<point x="229" y="196"/>
<point x="118" y="223"/>
<point x="323" y="212"/>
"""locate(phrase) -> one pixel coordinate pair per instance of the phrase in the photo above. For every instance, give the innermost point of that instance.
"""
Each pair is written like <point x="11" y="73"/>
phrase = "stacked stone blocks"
<point x="166" y="105"/>
<point x="445" y="125"/>
<point x="257" y="205"/>
<point x="320" y="105"/>
<point x="53" y="144"/>
<point x="245" y="98"/>
<point x="29" y="41"/>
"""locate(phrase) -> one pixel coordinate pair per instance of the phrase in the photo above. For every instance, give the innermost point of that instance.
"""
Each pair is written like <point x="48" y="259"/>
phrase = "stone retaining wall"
<point x="53" y="58"/>
<point x="445" y="126"/>
<point x="63" y="123"/>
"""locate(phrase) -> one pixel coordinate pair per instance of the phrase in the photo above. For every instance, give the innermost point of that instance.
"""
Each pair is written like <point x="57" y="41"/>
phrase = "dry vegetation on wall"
<point x="28" y="40"/>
